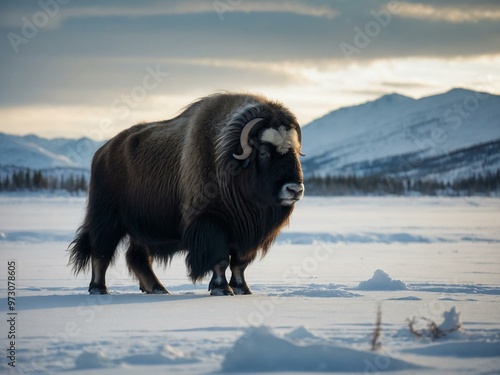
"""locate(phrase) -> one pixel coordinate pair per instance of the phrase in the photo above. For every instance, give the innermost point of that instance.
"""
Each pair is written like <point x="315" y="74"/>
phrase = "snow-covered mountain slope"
<point x="39" y="153"/>
<point x="455" y="134"/>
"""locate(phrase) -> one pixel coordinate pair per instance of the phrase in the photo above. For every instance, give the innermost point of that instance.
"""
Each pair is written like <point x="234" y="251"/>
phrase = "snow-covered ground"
<point x="314" y="306"/>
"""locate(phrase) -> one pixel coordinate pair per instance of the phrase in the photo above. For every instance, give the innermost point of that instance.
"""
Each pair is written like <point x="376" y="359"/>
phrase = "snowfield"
<point x="314" y="308"/>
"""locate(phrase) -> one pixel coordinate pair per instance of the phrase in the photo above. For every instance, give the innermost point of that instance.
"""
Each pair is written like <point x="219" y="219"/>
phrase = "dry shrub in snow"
<point x="376" y="344"/>
<point x="451" y="323"/>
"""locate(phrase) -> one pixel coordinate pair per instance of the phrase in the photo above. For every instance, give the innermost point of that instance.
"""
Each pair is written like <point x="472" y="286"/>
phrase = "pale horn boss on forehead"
<point x="283" y="139"/>
<point x="216" y="183"/>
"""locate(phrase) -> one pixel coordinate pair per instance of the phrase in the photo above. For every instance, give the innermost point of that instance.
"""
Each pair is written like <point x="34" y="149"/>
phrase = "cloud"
<point x="91" y="53"/>
<point x="12" y="16"/>
<point x="97" y="81"/>
<point x="268" y="31"/>
<point x="405" y="85"/>
<point x="466" y="13"/>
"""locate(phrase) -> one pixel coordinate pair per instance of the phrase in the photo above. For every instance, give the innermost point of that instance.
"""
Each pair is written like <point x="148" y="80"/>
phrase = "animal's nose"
<point x="295" y="189"/>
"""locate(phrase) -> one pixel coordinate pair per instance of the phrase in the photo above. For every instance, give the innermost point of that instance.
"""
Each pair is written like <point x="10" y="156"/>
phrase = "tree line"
<point x="488" y="184"/>
<point x="33" y="180"/>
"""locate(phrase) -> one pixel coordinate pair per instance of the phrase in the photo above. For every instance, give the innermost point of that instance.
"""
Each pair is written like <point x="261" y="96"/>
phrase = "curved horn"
<point x="247" y="149"/>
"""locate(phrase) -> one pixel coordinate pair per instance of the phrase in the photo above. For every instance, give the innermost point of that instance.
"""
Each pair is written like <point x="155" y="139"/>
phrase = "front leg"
<point x="207" y="243"/>
<point x="218" y="285"/>
<point x="238" y="282"/>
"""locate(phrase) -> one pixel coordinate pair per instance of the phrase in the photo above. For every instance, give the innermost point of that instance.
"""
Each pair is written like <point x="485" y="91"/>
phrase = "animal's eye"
<point x="264" y="152"/>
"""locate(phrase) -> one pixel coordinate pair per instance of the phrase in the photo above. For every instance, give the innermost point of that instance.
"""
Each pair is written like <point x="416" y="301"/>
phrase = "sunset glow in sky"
<point x="91" y="68"/>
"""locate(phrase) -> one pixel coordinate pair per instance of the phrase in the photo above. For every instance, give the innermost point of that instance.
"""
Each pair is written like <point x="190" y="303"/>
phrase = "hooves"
<point x="102" y="289"/>
<point x="222" y="291"/>
<point x="239" y="287"/>
<point x="229" y="291"/>
<point x="215" y="290"/>
<point x="241" y="291"/>
<point x="218" y="286"/>
<point x="225" y="289"/>
<point x="98" y="289"/>
<point x="156" y="289"/>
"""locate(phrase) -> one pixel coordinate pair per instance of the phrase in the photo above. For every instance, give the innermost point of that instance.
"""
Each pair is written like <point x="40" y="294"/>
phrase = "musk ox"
<point x="218" y="183"/>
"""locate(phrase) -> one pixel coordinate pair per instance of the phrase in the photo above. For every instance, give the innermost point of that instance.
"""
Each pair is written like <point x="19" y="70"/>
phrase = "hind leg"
<point x="98" y="281"/>
<point x="139" y="262"/>
<point x="102" y="252"/>
<point x="102" y="256"/>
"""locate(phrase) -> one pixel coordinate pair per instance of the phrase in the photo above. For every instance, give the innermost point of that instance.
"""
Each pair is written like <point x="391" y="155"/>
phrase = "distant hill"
<point x="35" y="152"/>
<point x="33" y="163"/>
<point x="455" y="135"/>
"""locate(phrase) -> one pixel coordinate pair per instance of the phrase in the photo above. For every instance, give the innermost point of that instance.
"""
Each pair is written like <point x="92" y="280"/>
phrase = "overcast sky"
<point x="92" y="68"/>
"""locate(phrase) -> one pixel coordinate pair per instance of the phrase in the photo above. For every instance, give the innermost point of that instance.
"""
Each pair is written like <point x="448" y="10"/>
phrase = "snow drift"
<point x="382" y="281"/>
<point x="261" y="350"/>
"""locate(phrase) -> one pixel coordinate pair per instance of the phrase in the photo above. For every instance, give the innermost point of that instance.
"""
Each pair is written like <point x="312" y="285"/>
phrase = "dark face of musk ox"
<point x="276" y="166"/>
<point x="279" y="177"/>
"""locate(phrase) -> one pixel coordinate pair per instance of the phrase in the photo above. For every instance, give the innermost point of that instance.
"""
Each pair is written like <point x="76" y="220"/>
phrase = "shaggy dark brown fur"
<point x="175" y="186"/>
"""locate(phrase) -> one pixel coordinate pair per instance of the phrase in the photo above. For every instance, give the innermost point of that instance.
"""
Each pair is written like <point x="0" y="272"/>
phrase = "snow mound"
<point x="261" y="350"/>
<point x="300" y="333"/>
<point x="302" y="238"/>
<point x="39" y="236"/>
<point x="409" y="298"/>
<point x="164" y="355"/>
<point x="452" y="321"/>
<point x="468" y="349"/>
<point x="318" y="291"/>
<point x="382" y="281"/>
<point x="91" y="360"/>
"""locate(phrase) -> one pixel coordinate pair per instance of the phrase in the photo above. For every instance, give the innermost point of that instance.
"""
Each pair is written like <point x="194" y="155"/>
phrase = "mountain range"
<point x="35" y="152"/>
<point x="445" y="137"/>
